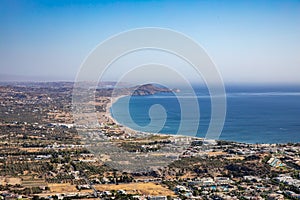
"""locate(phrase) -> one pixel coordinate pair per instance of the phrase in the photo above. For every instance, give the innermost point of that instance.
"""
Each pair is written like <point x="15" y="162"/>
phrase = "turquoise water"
<point x="254" y="114"/>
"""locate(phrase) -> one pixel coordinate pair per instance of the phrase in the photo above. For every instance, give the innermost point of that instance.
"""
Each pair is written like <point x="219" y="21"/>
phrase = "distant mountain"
<point x="149" y="89"/>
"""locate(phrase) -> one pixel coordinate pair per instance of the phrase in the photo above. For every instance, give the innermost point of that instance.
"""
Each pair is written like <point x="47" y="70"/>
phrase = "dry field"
<point x="2" y="181"/>
<point x="216" y="153"/>
<point x="62" y="187"/>
<point x="31" y="150"/>
<point x="10" y="181"/>
<point x="34" y="183"/>
<point x="141" y="188"/>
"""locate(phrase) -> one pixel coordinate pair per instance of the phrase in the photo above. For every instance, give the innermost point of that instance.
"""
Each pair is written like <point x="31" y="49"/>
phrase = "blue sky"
<point x="249" y="41"/>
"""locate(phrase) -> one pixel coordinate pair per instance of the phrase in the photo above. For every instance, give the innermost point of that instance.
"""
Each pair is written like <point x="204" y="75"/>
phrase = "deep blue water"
<point x="254" y="114"/>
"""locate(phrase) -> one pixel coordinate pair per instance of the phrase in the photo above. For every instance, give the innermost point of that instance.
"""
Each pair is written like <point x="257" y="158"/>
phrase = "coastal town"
<point x="43" y="156"/>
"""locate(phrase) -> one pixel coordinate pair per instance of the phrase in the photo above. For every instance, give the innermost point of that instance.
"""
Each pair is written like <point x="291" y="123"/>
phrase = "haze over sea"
<point x="269" y="114"/>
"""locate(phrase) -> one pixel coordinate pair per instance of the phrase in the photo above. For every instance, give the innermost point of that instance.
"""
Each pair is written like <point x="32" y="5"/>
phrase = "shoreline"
<point x="127" y="129"/>
<point x="108" y="114"/>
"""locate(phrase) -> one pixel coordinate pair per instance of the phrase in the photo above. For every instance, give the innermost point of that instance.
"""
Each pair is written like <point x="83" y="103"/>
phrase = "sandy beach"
<point x="121" y="126"/>
<point x="133" y="132"/>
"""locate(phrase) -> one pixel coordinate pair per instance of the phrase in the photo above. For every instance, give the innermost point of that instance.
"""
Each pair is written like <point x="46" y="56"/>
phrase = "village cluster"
<point x="42" y="156"/>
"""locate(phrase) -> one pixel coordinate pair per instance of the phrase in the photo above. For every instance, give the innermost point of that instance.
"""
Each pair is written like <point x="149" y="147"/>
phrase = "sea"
<point x="254" y="114"/>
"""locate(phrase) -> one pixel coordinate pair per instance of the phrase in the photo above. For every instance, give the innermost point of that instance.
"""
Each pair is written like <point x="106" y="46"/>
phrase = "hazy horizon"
<point x="228" y="85"/>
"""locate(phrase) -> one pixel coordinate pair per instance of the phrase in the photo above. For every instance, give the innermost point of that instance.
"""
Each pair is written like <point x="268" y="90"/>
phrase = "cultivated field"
<point x="142" y="188"/>
<point x="10" y="181"/>
<point x="62" y="187"/>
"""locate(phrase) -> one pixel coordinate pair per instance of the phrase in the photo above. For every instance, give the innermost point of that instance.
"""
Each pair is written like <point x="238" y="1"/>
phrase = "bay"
<point x="255" y="114"/>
